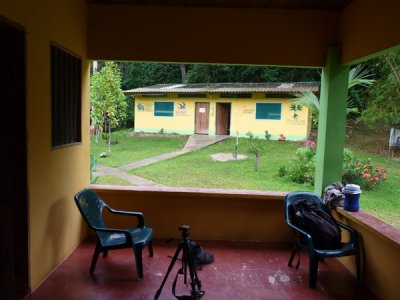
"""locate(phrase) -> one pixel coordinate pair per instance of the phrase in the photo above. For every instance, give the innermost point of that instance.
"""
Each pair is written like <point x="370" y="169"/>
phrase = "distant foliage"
<point x="384" y="97"/>
<point x="136" y="75"/>
<point x="139" y="74"/>
<point x="233" y="73"/>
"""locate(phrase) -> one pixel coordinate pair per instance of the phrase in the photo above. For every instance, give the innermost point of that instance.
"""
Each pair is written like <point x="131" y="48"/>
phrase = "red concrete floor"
<point x="241" y="270"/>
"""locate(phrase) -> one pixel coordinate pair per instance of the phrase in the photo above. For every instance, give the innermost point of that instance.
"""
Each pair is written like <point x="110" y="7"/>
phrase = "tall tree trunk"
<point x="183" y="72"/>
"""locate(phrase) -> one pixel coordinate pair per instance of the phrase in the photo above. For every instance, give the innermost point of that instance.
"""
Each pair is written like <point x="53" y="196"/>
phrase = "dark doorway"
<point x="202" y="117"/>
<point x="14" y="268"/>
<point x="223" y="118"/>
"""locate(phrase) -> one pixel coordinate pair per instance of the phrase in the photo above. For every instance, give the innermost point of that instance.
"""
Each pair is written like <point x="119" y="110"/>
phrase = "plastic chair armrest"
<point x="139" y="215"/>
<point x="301" y="231"/>
<point x="353" y="232"/>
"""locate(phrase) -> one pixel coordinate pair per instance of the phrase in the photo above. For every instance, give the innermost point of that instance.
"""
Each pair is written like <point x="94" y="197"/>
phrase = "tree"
<point x="384" y="97"/>
<point x="358" y="76"/>
<point x="107" y="99"/>
<point x="136" y="75"/>
<point x="234" y="73"/>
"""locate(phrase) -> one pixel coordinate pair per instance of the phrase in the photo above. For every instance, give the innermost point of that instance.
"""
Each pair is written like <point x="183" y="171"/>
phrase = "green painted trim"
<point x="274" y="137"/>
<point x="332" y="121"/>
<point x="157" y="130"/>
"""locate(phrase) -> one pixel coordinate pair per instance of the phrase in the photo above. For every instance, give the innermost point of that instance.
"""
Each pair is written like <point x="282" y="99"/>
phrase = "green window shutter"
<point x="164" y="109"/>
<point x="268" y="111"/>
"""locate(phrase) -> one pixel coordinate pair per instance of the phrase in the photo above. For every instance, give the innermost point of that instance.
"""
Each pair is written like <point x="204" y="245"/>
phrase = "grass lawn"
<point x="133" y="148"/>
<point x="196" y="169"/>
<point x="111" y="180"/>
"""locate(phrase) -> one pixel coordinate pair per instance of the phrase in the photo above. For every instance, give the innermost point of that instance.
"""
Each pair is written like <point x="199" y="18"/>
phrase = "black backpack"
<point x="319" y="223"/>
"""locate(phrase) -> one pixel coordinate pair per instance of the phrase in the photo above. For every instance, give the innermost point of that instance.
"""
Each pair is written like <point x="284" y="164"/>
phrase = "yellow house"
<point x="224" y="109"/>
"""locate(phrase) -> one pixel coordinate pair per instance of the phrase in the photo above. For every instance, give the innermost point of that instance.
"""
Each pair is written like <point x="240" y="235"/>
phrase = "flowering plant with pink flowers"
<point x="362" y="172"/>
<point x="311" y="144"/>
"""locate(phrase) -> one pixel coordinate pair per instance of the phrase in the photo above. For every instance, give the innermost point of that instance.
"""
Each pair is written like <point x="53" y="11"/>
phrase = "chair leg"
<point x="292" y="256"/>
<point x="358" y="266"/>
<point x="313" y="271"/>
<point x="105" y="253"/>
<point x="151" y="249"/>
<point x="139" y="262"/>
<point x="94" y="258"/>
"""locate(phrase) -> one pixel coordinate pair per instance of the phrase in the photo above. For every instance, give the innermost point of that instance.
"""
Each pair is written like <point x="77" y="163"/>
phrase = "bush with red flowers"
<point x="362" y="172"/>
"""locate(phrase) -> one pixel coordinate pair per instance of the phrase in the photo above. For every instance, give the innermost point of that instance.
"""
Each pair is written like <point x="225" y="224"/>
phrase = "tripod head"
<point x="185" y="230"/>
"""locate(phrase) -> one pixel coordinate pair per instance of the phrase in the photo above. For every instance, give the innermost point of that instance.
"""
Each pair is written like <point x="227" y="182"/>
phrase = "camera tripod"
<point x="187" y="262"/>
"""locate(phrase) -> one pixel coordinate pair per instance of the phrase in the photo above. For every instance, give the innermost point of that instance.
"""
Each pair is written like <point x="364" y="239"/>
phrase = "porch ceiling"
<point x="260" y="32"/>
<point x="329" y="5"/>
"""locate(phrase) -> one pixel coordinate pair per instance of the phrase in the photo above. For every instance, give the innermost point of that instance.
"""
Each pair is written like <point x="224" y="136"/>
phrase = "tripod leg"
<point x="195" y="282"/>
<point x="171" y="265"/>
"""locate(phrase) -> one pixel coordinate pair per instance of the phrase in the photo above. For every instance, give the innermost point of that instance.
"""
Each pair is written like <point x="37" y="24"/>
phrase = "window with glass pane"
<point x="268" y="111"/>
<point x="164" y="109"/>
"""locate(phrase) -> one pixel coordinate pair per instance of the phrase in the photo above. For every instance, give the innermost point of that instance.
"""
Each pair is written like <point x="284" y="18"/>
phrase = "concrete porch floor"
<point x="241" y="270"/>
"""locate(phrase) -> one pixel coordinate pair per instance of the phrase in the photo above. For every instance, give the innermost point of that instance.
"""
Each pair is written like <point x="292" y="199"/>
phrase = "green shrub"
<point x="282" y="171"/>
<point x="267" y="135"/>
<point x="301" y="168"/>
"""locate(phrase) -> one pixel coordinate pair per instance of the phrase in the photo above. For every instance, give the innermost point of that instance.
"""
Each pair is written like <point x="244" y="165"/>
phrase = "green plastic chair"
<point x="304" y="239"/>
<point x="91" y="207"/>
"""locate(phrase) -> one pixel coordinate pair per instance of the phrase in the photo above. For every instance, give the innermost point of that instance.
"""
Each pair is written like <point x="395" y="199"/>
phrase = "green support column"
<point x="332" y="121"/>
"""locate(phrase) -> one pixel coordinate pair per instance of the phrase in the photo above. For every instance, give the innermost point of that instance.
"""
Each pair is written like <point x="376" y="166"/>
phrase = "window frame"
<point x="269" y="119"/>
<point x="66" y="97"/>
<point x="166" y="101"/>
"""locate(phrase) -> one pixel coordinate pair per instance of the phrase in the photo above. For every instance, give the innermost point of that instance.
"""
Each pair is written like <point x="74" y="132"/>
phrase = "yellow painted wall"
<point x="212" y="215"/>
<point x="380" y="256"/>
<point x="233" y="215"/>
<point x="243" y="117"/>
<point x="54" y="176"/>
<point x="211" y="35"/>
<point x="181" y="122"/>
<point x="368" y="27"/>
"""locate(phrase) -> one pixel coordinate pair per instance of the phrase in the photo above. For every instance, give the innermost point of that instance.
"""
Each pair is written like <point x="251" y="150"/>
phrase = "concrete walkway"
<point x="194" y="142"/>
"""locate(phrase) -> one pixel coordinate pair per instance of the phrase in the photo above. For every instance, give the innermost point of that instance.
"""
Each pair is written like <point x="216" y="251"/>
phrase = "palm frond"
<point x="308" y="99"/>
<point x="360" y="75"/>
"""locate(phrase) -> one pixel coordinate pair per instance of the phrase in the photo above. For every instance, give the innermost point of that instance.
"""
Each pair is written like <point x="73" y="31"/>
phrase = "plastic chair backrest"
<point x="91" y="207"/>
<point x="294" y="196"/>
